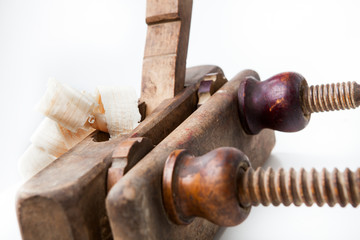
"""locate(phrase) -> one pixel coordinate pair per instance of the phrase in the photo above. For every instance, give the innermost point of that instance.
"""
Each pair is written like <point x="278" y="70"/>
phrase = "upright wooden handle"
<point x="204" y="186"/>
<point x="275" y="103"/>
<point x="167" y="38"/>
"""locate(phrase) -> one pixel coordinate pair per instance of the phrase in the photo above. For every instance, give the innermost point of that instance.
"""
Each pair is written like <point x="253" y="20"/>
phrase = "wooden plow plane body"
<point x="111" y="188"/>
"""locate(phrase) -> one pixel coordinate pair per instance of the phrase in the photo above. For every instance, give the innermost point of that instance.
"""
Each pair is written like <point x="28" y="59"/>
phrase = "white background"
<point x="93" y="42"/>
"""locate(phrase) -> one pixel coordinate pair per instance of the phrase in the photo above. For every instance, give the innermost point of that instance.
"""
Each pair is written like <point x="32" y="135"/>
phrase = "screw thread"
<point x="265" y="187"/>
<point x="329" y="97"/>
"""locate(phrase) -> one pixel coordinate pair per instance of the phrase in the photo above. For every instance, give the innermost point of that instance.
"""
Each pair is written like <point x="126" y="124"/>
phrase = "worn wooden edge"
<point x="211" y="83"/>
<point x="75" y="184"/>
<point x="73" y="187"/>
<point x="162" y="120"/>
<point x="128" y="153"/>
<point x="134" y="204"/>
<point x="159" y="11"/>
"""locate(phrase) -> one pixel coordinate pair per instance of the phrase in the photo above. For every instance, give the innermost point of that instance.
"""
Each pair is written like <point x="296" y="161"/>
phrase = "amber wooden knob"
<point x="204" y="186"/>
<point x="275" y="103"/>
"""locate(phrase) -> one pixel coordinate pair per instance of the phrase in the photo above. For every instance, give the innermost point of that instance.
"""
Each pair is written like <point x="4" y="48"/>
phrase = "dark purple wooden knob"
<point x="275" y="103"/>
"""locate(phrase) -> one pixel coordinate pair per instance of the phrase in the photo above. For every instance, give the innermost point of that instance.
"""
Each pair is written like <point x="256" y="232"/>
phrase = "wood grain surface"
<point x="164" y="64"/>
<point x="135" y="204"/>
<point x="66" y="200"/>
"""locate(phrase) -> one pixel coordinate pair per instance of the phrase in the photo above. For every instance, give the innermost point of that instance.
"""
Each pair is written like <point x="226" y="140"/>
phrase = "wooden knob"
<point x="275" y="103"/>
<point x="204" y="186"/>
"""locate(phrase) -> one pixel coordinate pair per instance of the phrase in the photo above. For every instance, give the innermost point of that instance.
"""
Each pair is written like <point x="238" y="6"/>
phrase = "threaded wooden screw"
<point x="280" y="187"/>
<point x="331" y="97"/>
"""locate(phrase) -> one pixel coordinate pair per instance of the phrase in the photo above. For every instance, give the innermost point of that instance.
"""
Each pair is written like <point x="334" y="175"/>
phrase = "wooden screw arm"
<point x="221" y="187"/>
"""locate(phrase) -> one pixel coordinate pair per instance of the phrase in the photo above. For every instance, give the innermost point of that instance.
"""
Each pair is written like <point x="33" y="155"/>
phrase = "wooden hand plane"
<point x="111" y="188"/>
